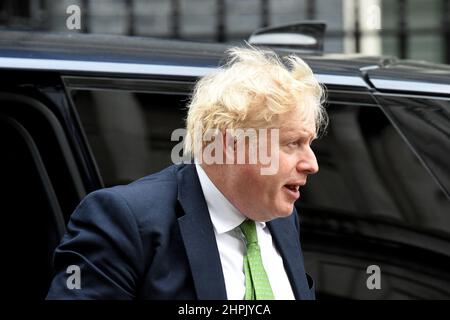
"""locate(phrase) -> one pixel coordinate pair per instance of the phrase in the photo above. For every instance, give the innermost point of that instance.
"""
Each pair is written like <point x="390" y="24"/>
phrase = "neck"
<point x="223" y="178"/>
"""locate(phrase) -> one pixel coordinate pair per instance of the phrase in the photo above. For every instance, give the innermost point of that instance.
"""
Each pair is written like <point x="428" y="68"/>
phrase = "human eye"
<point x="293" y="144"/>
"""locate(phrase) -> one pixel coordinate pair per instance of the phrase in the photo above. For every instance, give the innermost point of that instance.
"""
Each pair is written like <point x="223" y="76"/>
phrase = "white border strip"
<point x="411" y="86"/>
<point x="140" y="68"/>
<point x="341" y="80"/>
<point x="100" y="66"/>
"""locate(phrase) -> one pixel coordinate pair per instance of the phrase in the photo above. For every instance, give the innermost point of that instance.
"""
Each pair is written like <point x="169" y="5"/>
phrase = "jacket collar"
<point x="198" y="236"/>
<point x="201" y="248"/>
<point x="217" y="204"/>
<point x="283" y="232"/>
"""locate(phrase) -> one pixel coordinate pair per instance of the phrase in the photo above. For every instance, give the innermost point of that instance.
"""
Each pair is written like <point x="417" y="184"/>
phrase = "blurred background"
<point x="409" y="29"/>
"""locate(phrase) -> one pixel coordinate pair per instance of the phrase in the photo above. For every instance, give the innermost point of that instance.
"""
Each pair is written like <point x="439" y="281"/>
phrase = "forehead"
<point x="296" y="124"/>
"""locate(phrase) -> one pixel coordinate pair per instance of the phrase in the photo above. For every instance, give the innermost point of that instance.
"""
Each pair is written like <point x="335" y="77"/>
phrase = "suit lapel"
<point x="283" y="232"/>
<point x="198" y="237"/>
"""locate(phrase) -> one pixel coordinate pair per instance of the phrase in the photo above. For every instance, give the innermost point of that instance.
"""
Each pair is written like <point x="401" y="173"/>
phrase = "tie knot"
<point x="248" y="228"/>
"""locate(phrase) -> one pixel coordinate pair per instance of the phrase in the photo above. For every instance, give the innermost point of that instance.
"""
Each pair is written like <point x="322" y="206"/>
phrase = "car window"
<point x="367" y="170"/>
<point x="129" y="132"/>
<point x="366" y="167"/>
<point x="425" y="124"/>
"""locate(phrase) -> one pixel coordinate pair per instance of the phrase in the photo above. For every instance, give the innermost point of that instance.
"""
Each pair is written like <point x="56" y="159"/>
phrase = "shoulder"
<point x="150" y="189"/>
<point x="150" y="196"/>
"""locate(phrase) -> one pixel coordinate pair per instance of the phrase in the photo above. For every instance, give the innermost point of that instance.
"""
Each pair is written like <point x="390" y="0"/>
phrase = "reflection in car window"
<point x="129" y="133"/>
<point x="425" y="123"/>
<point x="367" y="170"/>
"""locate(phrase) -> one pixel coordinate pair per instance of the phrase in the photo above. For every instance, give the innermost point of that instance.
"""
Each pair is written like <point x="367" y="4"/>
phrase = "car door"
<point x="375" y="218"/>
<point x="41" y="184"/>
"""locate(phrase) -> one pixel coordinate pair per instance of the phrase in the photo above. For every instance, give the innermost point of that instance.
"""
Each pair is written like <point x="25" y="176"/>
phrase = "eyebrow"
<point x="302" y="134"/>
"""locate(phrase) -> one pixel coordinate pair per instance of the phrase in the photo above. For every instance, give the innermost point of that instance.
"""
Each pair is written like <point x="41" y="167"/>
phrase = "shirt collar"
<point x="224" y="215"/>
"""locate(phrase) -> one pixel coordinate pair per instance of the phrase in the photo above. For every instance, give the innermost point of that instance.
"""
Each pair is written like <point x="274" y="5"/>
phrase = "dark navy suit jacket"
<point x="154" y="239"/>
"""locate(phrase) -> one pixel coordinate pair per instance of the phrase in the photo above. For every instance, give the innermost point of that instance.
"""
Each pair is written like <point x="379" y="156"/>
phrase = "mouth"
<point x="292" y="190"/>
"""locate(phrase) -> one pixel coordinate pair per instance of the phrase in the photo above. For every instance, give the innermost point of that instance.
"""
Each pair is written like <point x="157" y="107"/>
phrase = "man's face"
<point x="265" y="197"/>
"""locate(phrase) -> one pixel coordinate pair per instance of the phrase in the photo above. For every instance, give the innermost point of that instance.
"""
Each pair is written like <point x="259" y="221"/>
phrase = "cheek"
<point x="266" y="188"/>
<point x="251" y="179"/>
<point x="272" y="186"/>
<point x="288" y="163"/>
<point x="262" y="186"/>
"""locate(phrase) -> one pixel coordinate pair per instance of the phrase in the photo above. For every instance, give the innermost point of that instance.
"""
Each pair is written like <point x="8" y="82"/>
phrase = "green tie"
<point x="257" y="285"/>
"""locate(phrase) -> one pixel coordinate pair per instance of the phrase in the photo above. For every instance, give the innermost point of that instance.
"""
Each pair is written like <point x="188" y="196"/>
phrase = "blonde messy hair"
<point x="251" y="91"/>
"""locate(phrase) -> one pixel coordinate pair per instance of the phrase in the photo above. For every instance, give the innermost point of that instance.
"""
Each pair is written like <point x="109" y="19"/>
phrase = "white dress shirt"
<point x="231" y="244"/>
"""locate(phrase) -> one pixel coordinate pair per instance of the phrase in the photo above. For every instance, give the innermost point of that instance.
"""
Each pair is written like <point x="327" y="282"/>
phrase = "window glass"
<point x="367" y="170"/>
<point x="129" y="132"/>
<point x="425" y="123"/>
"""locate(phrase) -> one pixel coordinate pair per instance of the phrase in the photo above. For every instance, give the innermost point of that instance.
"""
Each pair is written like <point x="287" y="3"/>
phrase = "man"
<point x="222" y="228"/>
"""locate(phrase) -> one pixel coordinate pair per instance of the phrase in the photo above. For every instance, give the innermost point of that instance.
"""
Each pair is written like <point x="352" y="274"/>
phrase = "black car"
<point x="81" y="112"/>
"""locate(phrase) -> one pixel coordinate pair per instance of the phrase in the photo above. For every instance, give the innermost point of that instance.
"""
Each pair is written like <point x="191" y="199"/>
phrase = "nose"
<point x="308" y="162"/>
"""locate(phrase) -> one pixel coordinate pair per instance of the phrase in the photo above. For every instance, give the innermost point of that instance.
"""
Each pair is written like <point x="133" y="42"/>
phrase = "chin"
<point x="285" y="211"/>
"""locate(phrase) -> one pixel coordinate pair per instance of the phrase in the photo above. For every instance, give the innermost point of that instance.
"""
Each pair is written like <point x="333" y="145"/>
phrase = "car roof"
<point x="141" y="56"/>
